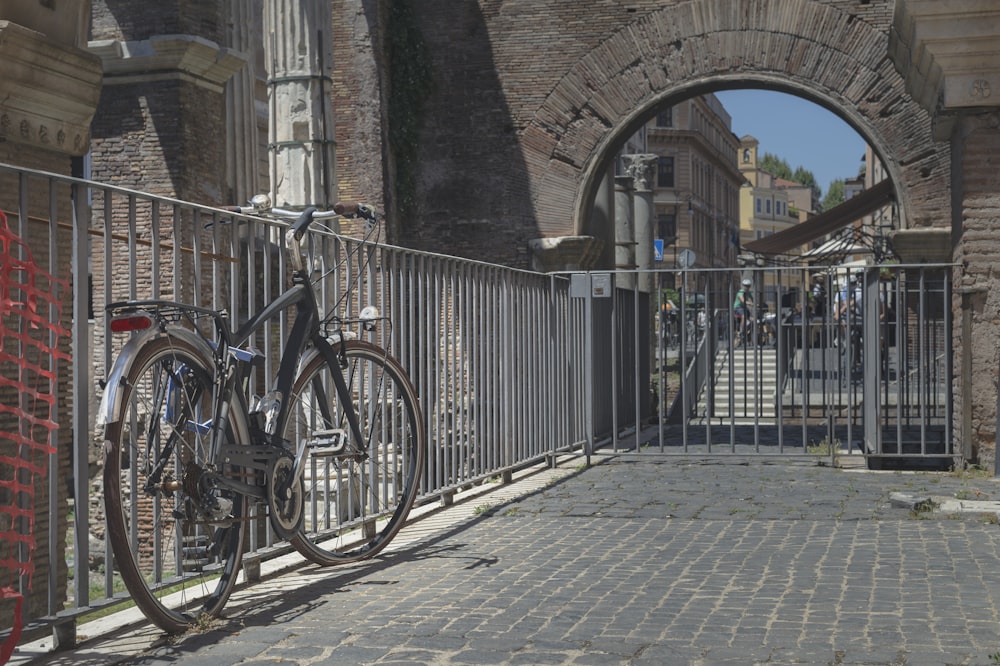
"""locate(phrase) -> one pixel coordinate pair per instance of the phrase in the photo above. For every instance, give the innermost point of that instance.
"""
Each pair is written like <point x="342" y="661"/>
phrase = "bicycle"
<point x="332" y="454"/>
<point x="668" y="327"/>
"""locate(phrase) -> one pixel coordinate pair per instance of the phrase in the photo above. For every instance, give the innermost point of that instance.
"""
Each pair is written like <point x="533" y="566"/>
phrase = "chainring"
<point x="286" y="511"/>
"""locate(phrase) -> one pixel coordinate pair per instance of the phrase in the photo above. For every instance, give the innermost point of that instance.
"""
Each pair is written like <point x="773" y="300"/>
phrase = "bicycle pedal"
<point x="327" y="443"/>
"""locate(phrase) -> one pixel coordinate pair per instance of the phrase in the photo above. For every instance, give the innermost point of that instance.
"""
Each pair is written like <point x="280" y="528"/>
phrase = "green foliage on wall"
<point x="410" y="83"/>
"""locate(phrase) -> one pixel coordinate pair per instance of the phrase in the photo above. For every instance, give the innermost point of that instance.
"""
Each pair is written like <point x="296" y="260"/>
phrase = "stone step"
<point x="752" y="384"/>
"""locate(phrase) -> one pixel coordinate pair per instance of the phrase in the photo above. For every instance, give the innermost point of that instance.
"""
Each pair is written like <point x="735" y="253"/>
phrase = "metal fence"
<point x="490" y="349"/>
<point x="851" y="360"/>
<point x="511" y="366"/>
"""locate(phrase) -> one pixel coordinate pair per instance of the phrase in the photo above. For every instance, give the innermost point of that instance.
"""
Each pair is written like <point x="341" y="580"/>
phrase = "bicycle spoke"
<point x="174" y="563"/>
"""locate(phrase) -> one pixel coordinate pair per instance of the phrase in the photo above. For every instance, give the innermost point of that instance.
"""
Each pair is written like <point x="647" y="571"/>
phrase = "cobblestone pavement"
<point x="631" y="561"/>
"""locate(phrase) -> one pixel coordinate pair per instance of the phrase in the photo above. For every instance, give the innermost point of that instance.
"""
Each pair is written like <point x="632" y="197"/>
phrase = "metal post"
<point x="871" y="303"/>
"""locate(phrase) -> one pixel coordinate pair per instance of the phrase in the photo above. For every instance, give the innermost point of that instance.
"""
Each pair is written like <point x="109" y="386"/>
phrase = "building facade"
<point x="697" y="183"/>
<point x="765" y="204"/>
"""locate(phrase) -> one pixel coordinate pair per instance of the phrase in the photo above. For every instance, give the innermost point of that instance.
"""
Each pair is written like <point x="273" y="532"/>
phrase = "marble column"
<point x="642" y="169"/>
<point x="624" y="232"/>
<point x="299" y="61"/>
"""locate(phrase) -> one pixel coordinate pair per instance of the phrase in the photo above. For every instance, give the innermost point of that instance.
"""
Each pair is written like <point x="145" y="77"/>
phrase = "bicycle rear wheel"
<point x="176" y="559"/>
<point x="357" y="494"/>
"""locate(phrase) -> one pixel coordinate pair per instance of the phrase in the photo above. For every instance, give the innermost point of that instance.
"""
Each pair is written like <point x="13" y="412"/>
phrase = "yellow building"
<point x="765" y="207"/>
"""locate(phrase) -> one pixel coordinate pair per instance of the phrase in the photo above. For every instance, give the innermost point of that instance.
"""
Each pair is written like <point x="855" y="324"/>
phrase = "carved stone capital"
<point x="947" y="52"/>
<point x="564" y="253"/>
<point x="49" y="91"/>
<point x="642" y="169"/>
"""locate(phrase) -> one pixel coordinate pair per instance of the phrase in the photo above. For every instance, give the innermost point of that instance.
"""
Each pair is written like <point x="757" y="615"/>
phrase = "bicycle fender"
<point x="114" y="388"/>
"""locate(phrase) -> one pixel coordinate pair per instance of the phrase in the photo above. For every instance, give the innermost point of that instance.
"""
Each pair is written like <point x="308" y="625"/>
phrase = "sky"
<point x="798" y="131"/>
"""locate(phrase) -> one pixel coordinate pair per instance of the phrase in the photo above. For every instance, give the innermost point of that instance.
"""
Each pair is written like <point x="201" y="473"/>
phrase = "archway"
<point x="820" y="52"/>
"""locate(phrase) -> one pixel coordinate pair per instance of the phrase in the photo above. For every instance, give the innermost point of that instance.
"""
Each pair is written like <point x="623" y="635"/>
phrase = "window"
<point x="665" y="172"/>
<point x="758" y="205"/>
<point x="665" y="118"/>
<point x="666" y="227"/>
<point x="746" y="156"/>
<point x="767" y="205"/>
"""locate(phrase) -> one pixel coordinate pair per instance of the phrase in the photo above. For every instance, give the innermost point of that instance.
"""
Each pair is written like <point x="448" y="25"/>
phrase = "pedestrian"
<point x="818" y="296"/>
<point x="742" y="307"/>
<point x="850" y="315"/>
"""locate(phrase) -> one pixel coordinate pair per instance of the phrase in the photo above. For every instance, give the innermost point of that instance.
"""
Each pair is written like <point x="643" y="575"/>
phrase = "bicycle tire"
<point x="356" y="501"/>
<point x="176" y="565"/>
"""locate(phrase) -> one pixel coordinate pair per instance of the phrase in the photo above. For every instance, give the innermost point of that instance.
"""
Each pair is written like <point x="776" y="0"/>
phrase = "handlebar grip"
<point x="232" y="209"/>
<point x="298" y="228"/>
<point x="354" y="209"/>
<point x="346" y="207"/>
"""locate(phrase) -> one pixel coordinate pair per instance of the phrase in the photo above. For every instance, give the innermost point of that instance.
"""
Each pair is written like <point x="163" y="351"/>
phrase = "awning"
<point x="869" y="201"/>
<point x="842" y="244"/>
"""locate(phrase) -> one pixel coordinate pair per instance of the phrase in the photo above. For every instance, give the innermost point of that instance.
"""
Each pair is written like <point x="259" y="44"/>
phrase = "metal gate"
<point x="839" y="361"/>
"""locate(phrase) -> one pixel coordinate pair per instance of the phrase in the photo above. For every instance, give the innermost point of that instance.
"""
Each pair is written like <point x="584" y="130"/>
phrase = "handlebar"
<point x="261" y="205"/>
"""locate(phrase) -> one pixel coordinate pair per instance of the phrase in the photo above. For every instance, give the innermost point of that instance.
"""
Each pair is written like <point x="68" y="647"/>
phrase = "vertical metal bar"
<point x="703" y="347"/>
<point x="23" y="476"/>
<point x="778" y="389"/>
<point x="871" y="364"/>
<point x="925" y="355"/>
<point x="485" y="353"/>
<point x="133" y="247"/>
<point x="495" y="374"/>
<point x="82" y="385"/>
<point x="199" y="295"/>
<point x="54" y="477"/>
<point x="588" y="365"/>
<point x="177" y="259"/>
<point x="524" y="336"/>
<point x="424" y="277"/>
<point x="107" y="230"/>
<point x="731" y="365"/>
<point x="948" y="359"/>
<point x="506" y="374"/>
<point x="478" y="374"/>
<point x="154" y="242"/>
<point x="661" y="361"/>
<point x="636" y="360"/>
<point x="682" y="360"/>
<point x="556" y="429"/>
<point x="460" y="343"/>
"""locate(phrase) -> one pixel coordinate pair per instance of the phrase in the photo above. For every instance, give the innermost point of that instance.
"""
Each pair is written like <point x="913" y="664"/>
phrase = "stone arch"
<point x="809" y="48"/>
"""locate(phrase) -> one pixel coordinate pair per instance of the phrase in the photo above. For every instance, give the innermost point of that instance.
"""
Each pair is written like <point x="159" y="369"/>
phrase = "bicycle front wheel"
<point x="177" y="539"/>
<point x="357" y="494"/>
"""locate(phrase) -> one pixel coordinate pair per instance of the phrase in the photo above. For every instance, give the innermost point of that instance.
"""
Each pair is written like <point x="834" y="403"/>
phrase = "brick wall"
<point x="977" y="139"/>
<point x="130" y="20"/>
<point x="528" y="98"/>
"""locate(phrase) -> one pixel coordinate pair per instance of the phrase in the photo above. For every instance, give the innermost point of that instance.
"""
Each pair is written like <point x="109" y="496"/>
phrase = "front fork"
<point x="338" y="357"/>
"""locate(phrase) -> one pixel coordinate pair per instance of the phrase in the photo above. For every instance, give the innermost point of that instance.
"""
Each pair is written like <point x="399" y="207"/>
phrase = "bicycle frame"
<point x="305" y="330"/>
<point x="232" y="373"/>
